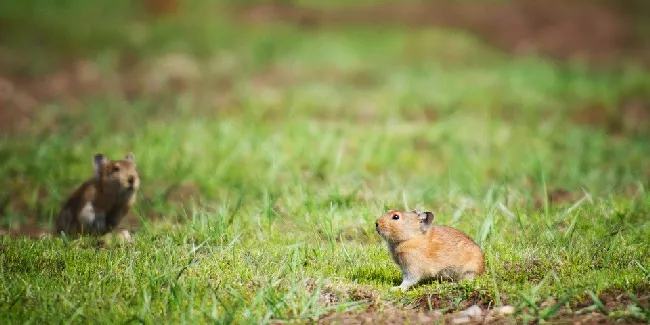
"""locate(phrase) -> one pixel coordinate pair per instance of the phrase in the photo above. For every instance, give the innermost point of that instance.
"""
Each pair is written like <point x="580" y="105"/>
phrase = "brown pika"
<point x="98" y="205"/>
<point x="424" y="251"/>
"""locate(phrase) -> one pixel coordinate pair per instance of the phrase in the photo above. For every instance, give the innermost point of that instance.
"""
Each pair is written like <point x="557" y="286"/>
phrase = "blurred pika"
<point x="99" y="204"/>
<point x="424" y="251"/>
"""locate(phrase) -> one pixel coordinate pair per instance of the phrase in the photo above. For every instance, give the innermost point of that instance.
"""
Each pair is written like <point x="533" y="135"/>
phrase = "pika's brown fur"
<point x="99" y="204"/>
<point x="423" y="250"/>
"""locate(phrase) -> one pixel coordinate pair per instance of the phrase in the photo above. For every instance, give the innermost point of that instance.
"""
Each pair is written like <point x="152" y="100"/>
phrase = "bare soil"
<point x="385" y="316"/>
<point x="557" y="197"/>
<point x="587" y="30"/>
<point x="630" y="116"/>
<point x="431" y="308"/>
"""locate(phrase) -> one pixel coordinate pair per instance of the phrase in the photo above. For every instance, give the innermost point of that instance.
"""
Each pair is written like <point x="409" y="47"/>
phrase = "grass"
<point x="293" y="141"/>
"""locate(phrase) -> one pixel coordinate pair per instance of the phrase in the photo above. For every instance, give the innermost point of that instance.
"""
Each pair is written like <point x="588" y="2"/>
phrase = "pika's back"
<point x="448" y="242"/>
<point x="450" y="234"/>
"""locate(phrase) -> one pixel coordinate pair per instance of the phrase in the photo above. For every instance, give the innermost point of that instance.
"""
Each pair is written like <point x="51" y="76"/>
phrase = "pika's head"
<point x="398" y="226"/>
<point x="118" y="176"/>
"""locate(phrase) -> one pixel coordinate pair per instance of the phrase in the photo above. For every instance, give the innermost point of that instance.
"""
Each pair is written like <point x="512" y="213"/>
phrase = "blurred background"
<point x="335" y="98"/>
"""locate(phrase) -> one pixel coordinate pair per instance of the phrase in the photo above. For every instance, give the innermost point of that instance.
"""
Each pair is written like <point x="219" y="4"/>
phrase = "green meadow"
<point x="267" y="151"/>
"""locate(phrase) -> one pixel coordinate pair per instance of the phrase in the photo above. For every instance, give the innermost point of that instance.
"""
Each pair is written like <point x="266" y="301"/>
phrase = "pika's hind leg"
<point x="64" y="222"/>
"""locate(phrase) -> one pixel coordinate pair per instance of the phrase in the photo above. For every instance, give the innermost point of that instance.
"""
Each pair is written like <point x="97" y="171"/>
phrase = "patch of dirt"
<point x="29" y="229"/>
<point x="15" y="109"/>
<point x="561" y="196"/>
<point x="632" y="190"/>
<point x="618" y="299"/>
<point x="589" y="319"/>
<point x="476" y="308"/>
<point x="613" y="300"/>
<point x="560" y="29"/>
<point x="21" y="95"/>
<point x="381" y="312"/>
<point x="21" y="199"/>
<point x="435" y="301"/>
<point x="390" y="314"/>
<point x="331" y="293"/>
<point x="593" y="114"/>
<point x="386" y="315"/>
<point x="631" y="115"/>
<point x="558" y="197"/>
<point x="484" y="314"/>
<point x="157" y="8"/>
<point x="159" y="78"/>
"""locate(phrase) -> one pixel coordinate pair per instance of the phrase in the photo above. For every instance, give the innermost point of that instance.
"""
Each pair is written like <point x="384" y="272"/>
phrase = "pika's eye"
<point x="395" y="217"/>
<point x="115" y="169"/>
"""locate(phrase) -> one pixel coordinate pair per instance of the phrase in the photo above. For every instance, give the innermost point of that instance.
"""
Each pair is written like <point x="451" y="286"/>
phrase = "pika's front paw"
<point x="399" y="289"/>
<point x="124" y="237"/>
<point x="120" y="238"/>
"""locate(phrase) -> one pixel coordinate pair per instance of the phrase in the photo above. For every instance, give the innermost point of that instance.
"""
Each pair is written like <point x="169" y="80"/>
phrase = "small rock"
<point x="505" y="310"/>
<point x="424" y="319"/>
<point x="549" y="302"/>
<point x="460" y="320"/>
<point x="473" y="311"/>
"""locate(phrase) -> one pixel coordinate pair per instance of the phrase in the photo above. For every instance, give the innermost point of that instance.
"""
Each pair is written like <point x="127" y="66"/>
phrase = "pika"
<point x="423" y="250"/>
<point x="98" y="205"/>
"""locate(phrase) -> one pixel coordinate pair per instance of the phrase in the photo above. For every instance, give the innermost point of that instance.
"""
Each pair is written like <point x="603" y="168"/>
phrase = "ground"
<point x="270" y="136"/>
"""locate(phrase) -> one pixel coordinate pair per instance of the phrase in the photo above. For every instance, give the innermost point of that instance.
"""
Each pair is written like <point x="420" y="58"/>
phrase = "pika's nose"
<point x="131" y="180"/>
<point x="376" y="224"/>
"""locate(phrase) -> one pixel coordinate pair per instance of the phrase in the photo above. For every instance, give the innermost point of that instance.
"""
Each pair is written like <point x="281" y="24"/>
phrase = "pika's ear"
<point x="99" y="161"/>
<point x="130" y="157"/>
<point x="426" y="220"/>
